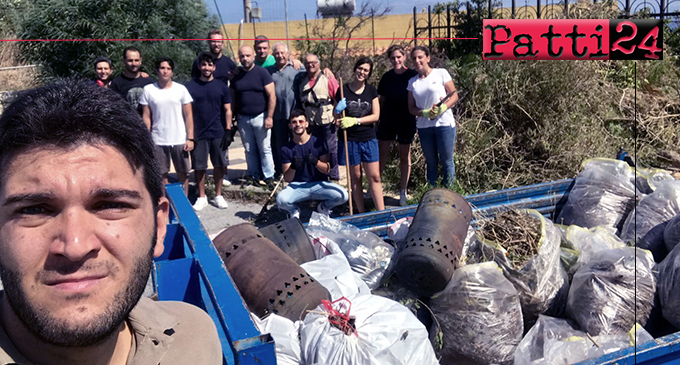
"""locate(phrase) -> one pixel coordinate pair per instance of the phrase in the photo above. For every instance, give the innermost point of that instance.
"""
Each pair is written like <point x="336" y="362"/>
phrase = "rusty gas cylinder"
<point x="269" y="280"/>
<point x="432" y="248"/>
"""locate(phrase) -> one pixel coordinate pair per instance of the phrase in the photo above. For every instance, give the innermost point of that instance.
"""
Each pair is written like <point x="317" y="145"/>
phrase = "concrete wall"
<point x="389" y="26"/>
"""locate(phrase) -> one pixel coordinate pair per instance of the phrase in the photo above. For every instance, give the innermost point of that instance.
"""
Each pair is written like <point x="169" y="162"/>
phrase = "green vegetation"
<point x="111" y="19"/>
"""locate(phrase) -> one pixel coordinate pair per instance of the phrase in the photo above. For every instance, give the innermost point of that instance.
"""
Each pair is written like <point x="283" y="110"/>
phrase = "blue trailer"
<point x="191" y="270"/>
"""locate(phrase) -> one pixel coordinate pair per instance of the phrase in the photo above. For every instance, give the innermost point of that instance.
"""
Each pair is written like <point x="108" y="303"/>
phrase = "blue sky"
<point x="273" y="10"/>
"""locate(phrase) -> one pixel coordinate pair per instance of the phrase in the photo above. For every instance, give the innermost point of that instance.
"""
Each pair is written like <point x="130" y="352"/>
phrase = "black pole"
<point x="448" y="21"/>
<point x="490" y="11"/>
<point x="663" y="8"/>
<point x="538" y="9"/>
<point x="415" y="28"/>
<point x="627" y="8"/>
<point x="514" y="14"/>
<point x="429" y="25"/>
<point x="566" y="8"/>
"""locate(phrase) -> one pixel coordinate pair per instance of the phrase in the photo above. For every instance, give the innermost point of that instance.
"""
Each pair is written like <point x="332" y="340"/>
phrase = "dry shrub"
<point x="18" y="79"/>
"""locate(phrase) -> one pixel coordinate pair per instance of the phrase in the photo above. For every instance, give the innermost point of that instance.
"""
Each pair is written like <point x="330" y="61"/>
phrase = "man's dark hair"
<point x="361" y="61"/>
<point x="71" y="113"/>
<point x="131" y="48"/>
<point x="214" y="31"/>
<point x="296" y="113"/>
<point x="169" y="60"/>
<point x="206" y="57"/>
<point x="261" y="39"/>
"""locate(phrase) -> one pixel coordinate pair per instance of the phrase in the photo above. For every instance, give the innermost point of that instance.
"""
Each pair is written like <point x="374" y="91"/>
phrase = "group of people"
<point x="268" y="95"/>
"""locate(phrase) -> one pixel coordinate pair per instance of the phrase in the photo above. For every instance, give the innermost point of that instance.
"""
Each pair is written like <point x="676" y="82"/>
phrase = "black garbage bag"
<point x="645" y="225"/>
<point x="613" y="291"/>
<point x="669" y="286"/>
<point x="671" y="234"/>
<point x="603" y="195"/>
<point x="480" y="316"/>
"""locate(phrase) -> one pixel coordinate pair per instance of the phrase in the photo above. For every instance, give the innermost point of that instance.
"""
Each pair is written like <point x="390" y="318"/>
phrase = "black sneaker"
<point x="248" y="181"/>
<point x="270" y="183"/>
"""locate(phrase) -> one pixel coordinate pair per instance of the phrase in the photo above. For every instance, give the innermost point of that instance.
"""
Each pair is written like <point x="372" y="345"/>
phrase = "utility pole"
<point x="246" y="11"/>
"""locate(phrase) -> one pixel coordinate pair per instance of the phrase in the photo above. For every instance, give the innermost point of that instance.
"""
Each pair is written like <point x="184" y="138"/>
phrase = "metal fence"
<point x="439" y="22"/>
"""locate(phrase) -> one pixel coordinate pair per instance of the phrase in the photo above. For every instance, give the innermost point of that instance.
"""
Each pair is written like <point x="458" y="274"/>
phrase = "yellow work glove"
<point x="347" y="122"/>
<point x="426" y="113"/>
<point x="438" y="110"/>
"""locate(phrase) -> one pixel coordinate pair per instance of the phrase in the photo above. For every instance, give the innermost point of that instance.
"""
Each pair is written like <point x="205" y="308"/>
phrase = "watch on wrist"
<point x="190" y="139"/>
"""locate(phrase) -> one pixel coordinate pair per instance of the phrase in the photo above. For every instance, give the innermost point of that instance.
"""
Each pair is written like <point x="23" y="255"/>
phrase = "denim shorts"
<point x="359" y="152"/>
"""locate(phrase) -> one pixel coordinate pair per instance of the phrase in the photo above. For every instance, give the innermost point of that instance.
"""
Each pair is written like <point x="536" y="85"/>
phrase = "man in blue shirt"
<point x="212" y="128"/>
<point x="254" y="101"/>
<point x="283" y="73"/>
<point x="306" y="165"/>
<point x="223" y="64"/>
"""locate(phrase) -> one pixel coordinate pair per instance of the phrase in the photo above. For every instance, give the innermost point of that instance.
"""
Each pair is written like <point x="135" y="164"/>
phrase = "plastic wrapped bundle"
<point x="541" y="281"/>
<point x="590" y="241"/>
<point x="646" y="223"/>
<point x="613" y="291"/>
<point x="669" y="287"/>
<point x="368" y="255"/>
<point x="554" y="341"/>
<point x="480" y="316"/>
<point x="368" y="330"/>
<point x="671" y="234"/>
<point x="647" y="180"/>
<point x="603" y="194"/>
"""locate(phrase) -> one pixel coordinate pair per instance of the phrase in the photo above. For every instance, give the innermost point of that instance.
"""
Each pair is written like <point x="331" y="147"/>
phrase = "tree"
<point x="467" y="19"/>
<point x="112" y="19"/>
<point x="338" y="37"/>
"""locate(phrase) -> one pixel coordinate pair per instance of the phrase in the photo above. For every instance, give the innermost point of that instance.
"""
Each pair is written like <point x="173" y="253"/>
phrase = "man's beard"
<point x="59" y="333"/>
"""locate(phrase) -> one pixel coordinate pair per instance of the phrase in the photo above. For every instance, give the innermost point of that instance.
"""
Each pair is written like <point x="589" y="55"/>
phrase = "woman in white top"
<point x="435" y="122"/>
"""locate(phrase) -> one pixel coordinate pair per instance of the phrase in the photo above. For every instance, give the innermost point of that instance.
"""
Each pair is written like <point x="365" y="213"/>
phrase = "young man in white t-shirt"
<point x="166" y="107"/>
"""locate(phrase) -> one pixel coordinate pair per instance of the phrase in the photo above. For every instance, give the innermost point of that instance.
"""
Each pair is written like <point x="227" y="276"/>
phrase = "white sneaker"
<point x="220" y="202"/>
<point x="321" y="208"/>
<point x="403" y="200"/>
<point x="226" y="182"/>
<point x="294" y="214"/>
<point x="201" y="203"/>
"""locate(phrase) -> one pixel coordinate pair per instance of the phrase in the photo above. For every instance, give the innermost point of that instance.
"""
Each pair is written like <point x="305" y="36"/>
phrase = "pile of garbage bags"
<point x="606" y="264"/>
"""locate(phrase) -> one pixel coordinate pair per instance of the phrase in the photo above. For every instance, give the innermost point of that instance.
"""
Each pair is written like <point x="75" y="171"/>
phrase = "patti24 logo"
<point x="573" y="39"/>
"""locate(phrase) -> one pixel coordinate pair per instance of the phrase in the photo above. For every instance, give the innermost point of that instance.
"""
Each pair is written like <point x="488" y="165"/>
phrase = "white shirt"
<point x="167" y="120"/>
<point x="426" y="92"/>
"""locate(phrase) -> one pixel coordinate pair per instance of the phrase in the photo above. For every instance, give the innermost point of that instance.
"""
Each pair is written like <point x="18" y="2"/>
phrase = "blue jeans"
<point x="437" y="144"/>
<point x="330" y="193"/>
<point x="257" y="144"/>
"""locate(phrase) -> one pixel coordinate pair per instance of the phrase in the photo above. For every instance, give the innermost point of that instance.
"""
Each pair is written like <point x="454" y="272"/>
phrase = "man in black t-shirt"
<point x="254" y="99"/>
<point x="130" y="84"/>
<point x="212" y="129"/>
<point x="223" y="64"/>
<point x="306" y="165"/>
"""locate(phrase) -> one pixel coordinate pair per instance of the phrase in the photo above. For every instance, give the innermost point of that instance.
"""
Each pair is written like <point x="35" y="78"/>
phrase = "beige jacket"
<point x="166" y="333"/>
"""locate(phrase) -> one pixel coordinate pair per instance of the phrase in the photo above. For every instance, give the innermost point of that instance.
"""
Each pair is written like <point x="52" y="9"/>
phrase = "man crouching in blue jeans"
<point x="306" y="166"/>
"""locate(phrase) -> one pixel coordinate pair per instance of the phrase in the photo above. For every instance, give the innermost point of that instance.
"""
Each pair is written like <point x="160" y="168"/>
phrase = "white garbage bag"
<point x="366" y="330"/>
